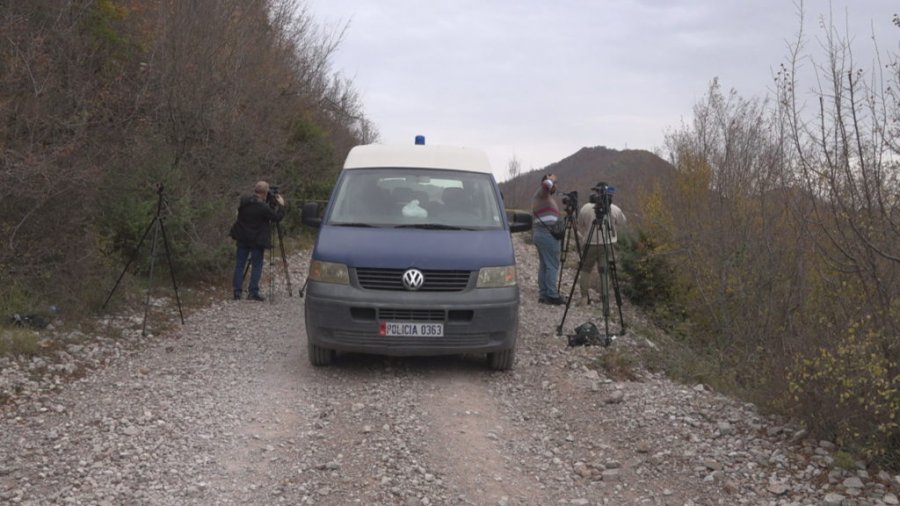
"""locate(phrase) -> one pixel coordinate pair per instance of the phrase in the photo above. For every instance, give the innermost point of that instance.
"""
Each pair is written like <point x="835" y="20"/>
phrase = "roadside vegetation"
<point x="775" y="257"/>
<point x="104" y="99"/>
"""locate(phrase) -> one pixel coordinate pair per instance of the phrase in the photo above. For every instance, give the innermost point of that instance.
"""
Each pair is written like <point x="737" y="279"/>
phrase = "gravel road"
<point x="227" y="410"/>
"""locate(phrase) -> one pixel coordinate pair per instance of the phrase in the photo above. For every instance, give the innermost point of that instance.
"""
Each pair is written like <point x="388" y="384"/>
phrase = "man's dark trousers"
<point x="257" y="255"/>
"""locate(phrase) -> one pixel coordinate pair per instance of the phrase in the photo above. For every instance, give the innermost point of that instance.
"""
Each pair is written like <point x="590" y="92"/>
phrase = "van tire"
<point x="319" y="356"/>
<point x="502" y="360"/>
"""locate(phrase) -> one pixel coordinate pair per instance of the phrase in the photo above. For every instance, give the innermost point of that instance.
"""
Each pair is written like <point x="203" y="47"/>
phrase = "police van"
<point x="413" y="257"/>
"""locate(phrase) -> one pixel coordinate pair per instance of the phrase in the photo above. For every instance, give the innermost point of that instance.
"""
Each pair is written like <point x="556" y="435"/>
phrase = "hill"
<point x="632" y="172"/>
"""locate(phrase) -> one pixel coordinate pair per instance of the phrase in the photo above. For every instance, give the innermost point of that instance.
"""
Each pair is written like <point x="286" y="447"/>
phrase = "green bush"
<point x="652" y="280"/>
<point x="861" y="388"/>
<point x="18" y="342"/>
<point x="195" y="226"/>
<point x="14" y="298"/>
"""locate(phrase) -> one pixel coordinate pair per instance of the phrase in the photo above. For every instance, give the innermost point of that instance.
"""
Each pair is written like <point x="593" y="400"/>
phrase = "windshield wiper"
<point x="433" y="226"/>
<point x="364" y="225"/>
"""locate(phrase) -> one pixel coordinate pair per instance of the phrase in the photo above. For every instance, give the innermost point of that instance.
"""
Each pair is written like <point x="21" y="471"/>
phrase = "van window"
<point x="390" y="197"/>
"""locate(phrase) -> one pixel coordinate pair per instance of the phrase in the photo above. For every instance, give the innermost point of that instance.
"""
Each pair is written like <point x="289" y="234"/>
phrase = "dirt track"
<point x="227" y="410"/>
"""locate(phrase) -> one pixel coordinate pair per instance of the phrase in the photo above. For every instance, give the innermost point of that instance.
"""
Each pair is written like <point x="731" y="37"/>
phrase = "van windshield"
<point x="410" y="197"/>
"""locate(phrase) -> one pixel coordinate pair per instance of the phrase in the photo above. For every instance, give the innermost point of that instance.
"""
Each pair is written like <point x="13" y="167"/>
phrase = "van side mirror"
<point x="519" y="221"/>
<point x="310" y="216"/>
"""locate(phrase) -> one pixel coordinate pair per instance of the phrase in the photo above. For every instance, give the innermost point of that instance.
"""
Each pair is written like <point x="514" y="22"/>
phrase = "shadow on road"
<point x="359" y="363"/>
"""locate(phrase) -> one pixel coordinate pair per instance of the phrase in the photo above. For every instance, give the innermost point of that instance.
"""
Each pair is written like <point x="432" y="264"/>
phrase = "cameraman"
<point x="597" y="247"/>
<point x="546" y="211"/>
<point x="252" y="233"/>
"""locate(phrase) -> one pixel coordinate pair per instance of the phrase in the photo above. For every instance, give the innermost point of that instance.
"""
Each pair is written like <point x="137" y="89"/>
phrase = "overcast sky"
<point x="539" y="79"/>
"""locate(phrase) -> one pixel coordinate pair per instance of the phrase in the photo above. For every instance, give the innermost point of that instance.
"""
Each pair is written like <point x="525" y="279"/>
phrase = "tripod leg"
<point x="614" y="278"/>
<point x="284" y="262"/>
<point x="581" y="255"/>
<point x="615" y="282"/>
<point x="604" y="282"/>
<point x="162" y="227"/>
<point x="150" y="275"/>
<point x="564" y="252"/>
<point x="271" y="273"/>
<point x="303" y="288"/>
<point x="571" y="231"/>
<point x="134" y="255"/>
<point x="574" y="226"/>
<point x="604" y="279"/>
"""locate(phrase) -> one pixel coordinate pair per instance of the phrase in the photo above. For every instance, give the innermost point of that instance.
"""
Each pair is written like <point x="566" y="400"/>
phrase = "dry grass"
<point x="17" y="341"/>
<point x="619" y="365"/>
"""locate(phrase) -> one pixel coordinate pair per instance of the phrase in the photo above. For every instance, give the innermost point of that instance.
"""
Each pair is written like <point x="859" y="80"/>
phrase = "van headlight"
<point x="329" y="272"/>
<point x="495" y="277"/>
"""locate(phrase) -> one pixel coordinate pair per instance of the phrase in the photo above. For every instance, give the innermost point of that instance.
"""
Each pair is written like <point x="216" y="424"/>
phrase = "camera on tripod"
<point x="601" y="196"/>
<point x="270" y="196"/>
<point x="570" y="201"/>
<point x="602" y="224"/>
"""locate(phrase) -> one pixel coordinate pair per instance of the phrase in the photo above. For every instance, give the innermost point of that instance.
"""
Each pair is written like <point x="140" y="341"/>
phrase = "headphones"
<point x="547" y="177"/>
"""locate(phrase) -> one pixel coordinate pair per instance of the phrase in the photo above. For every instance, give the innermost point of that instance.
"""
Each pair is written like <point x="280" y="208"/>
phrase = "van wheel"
<point x="502" y="360"/>
<point x="319" y="356"/>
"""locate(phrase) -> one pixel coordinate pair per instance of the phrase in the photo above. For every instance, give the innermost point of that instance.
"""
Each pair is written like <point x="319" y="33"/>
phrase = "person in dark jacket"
<point x="252" y="233"/>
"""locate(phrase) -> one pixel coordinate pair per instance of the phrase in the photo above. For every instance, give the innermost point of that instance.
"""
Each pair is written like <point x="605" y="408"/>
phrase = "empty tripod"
<point x="158" y="227"/>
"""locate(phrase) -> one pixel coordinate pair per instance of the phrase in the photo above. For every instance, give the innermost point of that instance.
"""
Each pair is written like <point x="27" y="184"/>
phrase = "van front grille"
<point x="427" y="315"/>
<point x="412" y="315"/>
<point x="391" y="279"/>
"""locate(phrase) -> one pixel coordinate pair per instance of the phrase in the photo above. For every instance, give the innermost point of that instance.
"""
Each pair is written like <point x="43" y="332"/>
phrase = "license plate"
<point x="411" y="329"/>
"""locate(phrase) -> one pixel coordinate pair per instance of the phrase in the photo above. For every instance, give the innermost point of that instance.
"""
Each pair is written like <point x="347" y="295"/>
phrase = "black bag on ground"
<point x="585" y="334"/>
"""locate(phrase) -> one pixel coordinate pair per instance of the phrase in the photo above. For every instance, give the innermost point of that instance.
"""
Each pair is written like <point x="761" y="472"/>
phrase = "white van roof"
<point x="417" y="155"/>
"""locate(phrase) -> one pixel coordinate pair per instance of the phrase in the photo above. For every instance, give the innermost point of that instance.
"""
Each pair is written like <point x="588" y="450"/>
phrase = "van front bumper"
<point x="345" y="318"/>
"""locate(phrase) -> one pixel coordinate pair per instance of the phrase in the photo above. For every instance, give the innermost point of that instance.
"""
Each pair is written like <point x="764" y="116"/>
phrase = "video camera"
<point x="601" y="196"/>
<point x="270" y="196"/>
<point x="570" y="201"/>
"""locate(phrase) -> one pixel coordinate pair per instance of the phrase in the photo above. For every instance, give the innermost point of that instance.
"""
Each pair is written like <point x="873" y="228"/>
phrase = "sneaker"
<point x="237" y="295"/>
<point x="256" y="296"/>
<point x="542" y="300"/>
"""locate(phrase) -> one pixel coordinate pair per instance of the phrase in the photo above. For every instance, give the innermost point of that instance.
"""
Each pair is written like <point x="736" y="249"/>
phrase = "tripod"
<point x="158" y="227"/>
<point x="280" y="241"/>
<point x="287" y="276"/>
<point x="602" y="226"/>
<point x="570" y="219"/>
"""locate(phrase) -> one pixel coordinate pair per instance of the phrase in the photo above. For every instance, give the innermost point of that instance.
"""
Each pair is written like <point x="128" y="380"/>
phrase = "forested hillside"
<point x="101" y="100"/>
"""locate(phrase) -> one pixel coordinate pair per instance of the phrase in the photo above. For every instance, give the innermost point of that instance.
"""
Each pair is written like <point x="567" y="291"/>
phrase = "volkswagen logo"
<point x="413" y="279"/>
